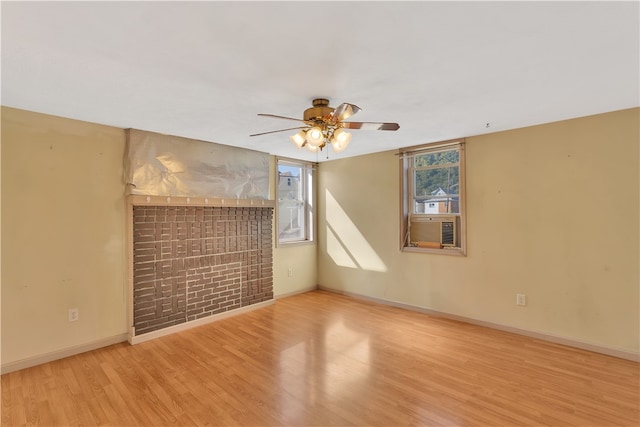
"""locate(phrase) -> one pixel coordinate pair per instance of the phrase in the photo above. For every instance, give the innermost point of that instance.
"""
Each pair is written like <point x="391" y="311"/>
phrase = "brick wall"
<point x="191" y="262"/>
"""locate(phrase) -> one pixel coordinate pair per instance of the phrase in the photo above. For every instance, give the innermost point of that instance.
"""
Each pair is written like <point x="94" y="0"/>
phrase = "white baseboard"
<point x="570" y="342"/>
<point x="29" y="362"/>
<point x="61" y="354"/>
<point x="137" y="339"/>
<point x="300" y="291"/>
<point x="72" y="351"/>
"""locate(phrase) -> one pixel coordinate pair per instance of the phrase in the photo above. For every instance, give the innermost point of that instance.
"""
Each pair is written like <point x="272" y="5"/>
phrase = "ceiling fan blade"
<point x="281" y="130"/>
<point x="370" y="126"/>
<point x="345" y="110"/>
<point x="281" y="117"/>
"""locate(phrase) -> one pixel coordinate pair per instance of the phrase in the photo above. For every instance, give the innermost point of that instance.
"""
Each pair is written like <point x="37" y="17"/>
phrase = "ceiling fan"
<point x="325" y="125"/>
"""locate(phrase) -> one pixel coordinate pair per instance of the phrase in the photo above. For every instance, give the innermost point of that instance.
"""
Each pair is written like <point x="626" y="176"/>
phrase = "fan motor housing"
<point x="319" y="110"/>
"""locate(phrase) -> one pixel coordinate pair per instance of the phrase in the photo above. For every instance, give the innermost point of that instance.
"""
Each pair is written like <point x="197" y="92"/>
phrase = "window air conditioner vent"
<point x="426" y="230"/>
<point x="447" y="237"/>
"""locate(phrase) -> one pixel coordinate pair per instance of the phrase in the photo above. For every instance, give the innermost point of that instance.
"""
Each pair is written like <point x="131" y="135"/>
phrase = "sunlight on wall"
<point x="337" y="252"/>
<point x="345" y="243"/>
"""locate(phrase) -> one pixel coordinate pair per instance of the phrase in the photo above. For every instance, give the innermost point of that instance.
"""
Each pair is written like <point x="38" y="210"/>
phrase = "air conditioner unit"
<point x="436" y="229"/>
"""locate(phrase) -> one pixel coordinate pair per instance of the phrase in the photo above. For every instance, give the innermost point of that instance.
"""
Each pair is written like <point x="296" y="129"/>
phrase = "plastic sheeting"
<point x="164" y="165"/>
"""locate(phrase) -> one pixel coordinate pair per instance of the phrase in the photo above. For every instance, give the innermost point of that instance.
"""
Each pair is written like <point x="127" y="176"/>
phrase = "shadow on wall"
<point x="346" y="245"/>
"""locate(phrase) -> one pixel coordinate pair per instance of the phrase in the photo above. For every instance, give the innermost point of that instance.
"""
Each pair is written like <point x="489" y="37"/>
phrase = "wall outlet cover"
<point x="74" y="314"/>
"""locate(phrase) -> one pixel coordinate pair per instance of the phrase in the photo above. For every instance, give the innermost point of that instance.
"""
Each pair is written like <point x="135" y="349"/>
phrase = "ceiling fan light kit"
<point x="341" y="139"/>
<point x="298" y="139"/>
<point x="325" y="125"/>
<point x="316" y="136"/>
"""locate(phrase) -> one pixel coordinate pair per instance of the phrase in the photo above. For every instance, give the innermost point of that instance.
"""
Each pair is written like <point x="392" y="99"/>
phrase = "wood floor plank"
<point x="322" y="359"/>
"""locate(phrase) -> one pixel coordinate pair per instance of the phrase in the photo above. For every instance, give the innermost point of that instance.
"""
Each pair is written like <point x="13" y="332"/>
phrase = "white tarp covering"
<point x="164" y="165"/>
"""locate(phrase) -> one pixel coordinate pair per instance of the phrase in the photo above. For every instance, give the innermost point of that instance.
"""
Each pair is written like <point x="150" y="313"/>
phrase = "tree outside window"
<point x="432" y="200"/>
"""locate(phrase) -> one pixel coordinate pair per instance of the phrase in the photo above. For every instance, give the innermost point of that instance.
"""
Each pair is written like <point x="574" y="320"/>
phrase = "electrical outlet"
<point x="521" y="299"/>
<point x="290" y="272"/>
<point x="74" y="314"/>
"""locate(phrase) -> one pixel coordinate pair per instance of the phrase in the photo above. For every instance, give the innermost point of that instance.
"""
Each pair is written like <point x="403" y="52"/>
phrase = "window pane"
<point x="440" y="158"/>
<point x="432" y="198"/>
<point x="291" y="220"/>
<point x="437" y="190"/>
<point x="292" y="203"/>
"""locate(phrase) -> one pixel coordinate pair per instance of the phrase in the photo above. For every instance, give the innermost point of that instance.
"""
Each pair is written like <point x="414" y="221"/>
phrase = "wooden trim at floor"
<point x="192" y="324"/>
<point x="623" y="354"/>
<point x="29" y="362"/>
<point x="324" y="359"/>
<point x="60" y="354"/>
<point x="299" y="291"/>
<point x="71" y="351"/>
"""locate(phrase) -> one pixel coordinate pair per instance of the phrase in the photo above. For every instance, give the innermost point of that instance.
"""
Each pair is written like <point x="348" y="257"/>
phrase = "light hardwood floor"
<point x="322" y="359"/>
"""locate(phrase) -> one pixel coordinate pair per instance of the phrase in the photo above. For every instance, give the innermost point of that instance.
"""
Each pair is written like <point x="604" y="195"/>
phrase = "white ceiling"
<point x="204" y="70"/>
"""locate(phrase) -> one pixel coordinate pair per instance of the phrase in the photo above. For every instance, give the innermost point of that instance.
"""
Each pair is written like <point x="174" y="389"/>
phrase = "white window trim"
<point x="310" y="202"/>
<point x="406" y="196"/>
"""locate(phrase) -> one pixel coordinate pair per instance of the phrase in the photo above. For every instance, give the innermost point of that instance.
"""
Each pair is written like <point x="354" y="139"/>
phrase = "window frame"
<point x="407" y="201"/>
<point x="308" y="183"/>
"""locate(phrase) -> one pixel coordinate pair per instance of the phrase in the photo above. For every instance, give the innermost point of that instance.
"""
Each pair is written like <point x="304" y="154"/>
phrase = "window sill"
<point x="444" y="251"/>
<point x="295" y="243"/>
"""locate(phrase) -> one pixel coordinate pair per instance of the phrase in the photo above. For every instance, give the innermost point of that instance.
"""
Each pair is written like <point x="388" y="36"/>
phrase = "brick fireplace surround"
<point x="192" y="262"/>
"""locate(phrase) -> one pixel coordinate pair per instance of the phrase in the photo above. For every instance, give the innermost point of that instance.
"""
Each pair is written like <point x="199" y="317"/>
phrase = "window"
<point x="433" y="217"/>
<point x="295" y="193"/>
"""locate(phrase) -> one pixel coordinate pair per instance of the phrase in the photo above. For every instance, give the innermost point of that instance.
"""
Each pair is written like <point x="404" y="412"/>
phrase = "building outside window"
<point x="295" y="194"/>
<point x="433" y="217"/>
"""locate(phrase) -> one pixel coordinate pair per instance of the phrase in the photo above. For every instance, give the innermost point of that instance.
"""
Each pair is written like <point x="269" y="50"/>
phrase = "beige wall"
<point x="63" y="231"/>
<point x="301" y="259"/>
<point x="552" y="213"/>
